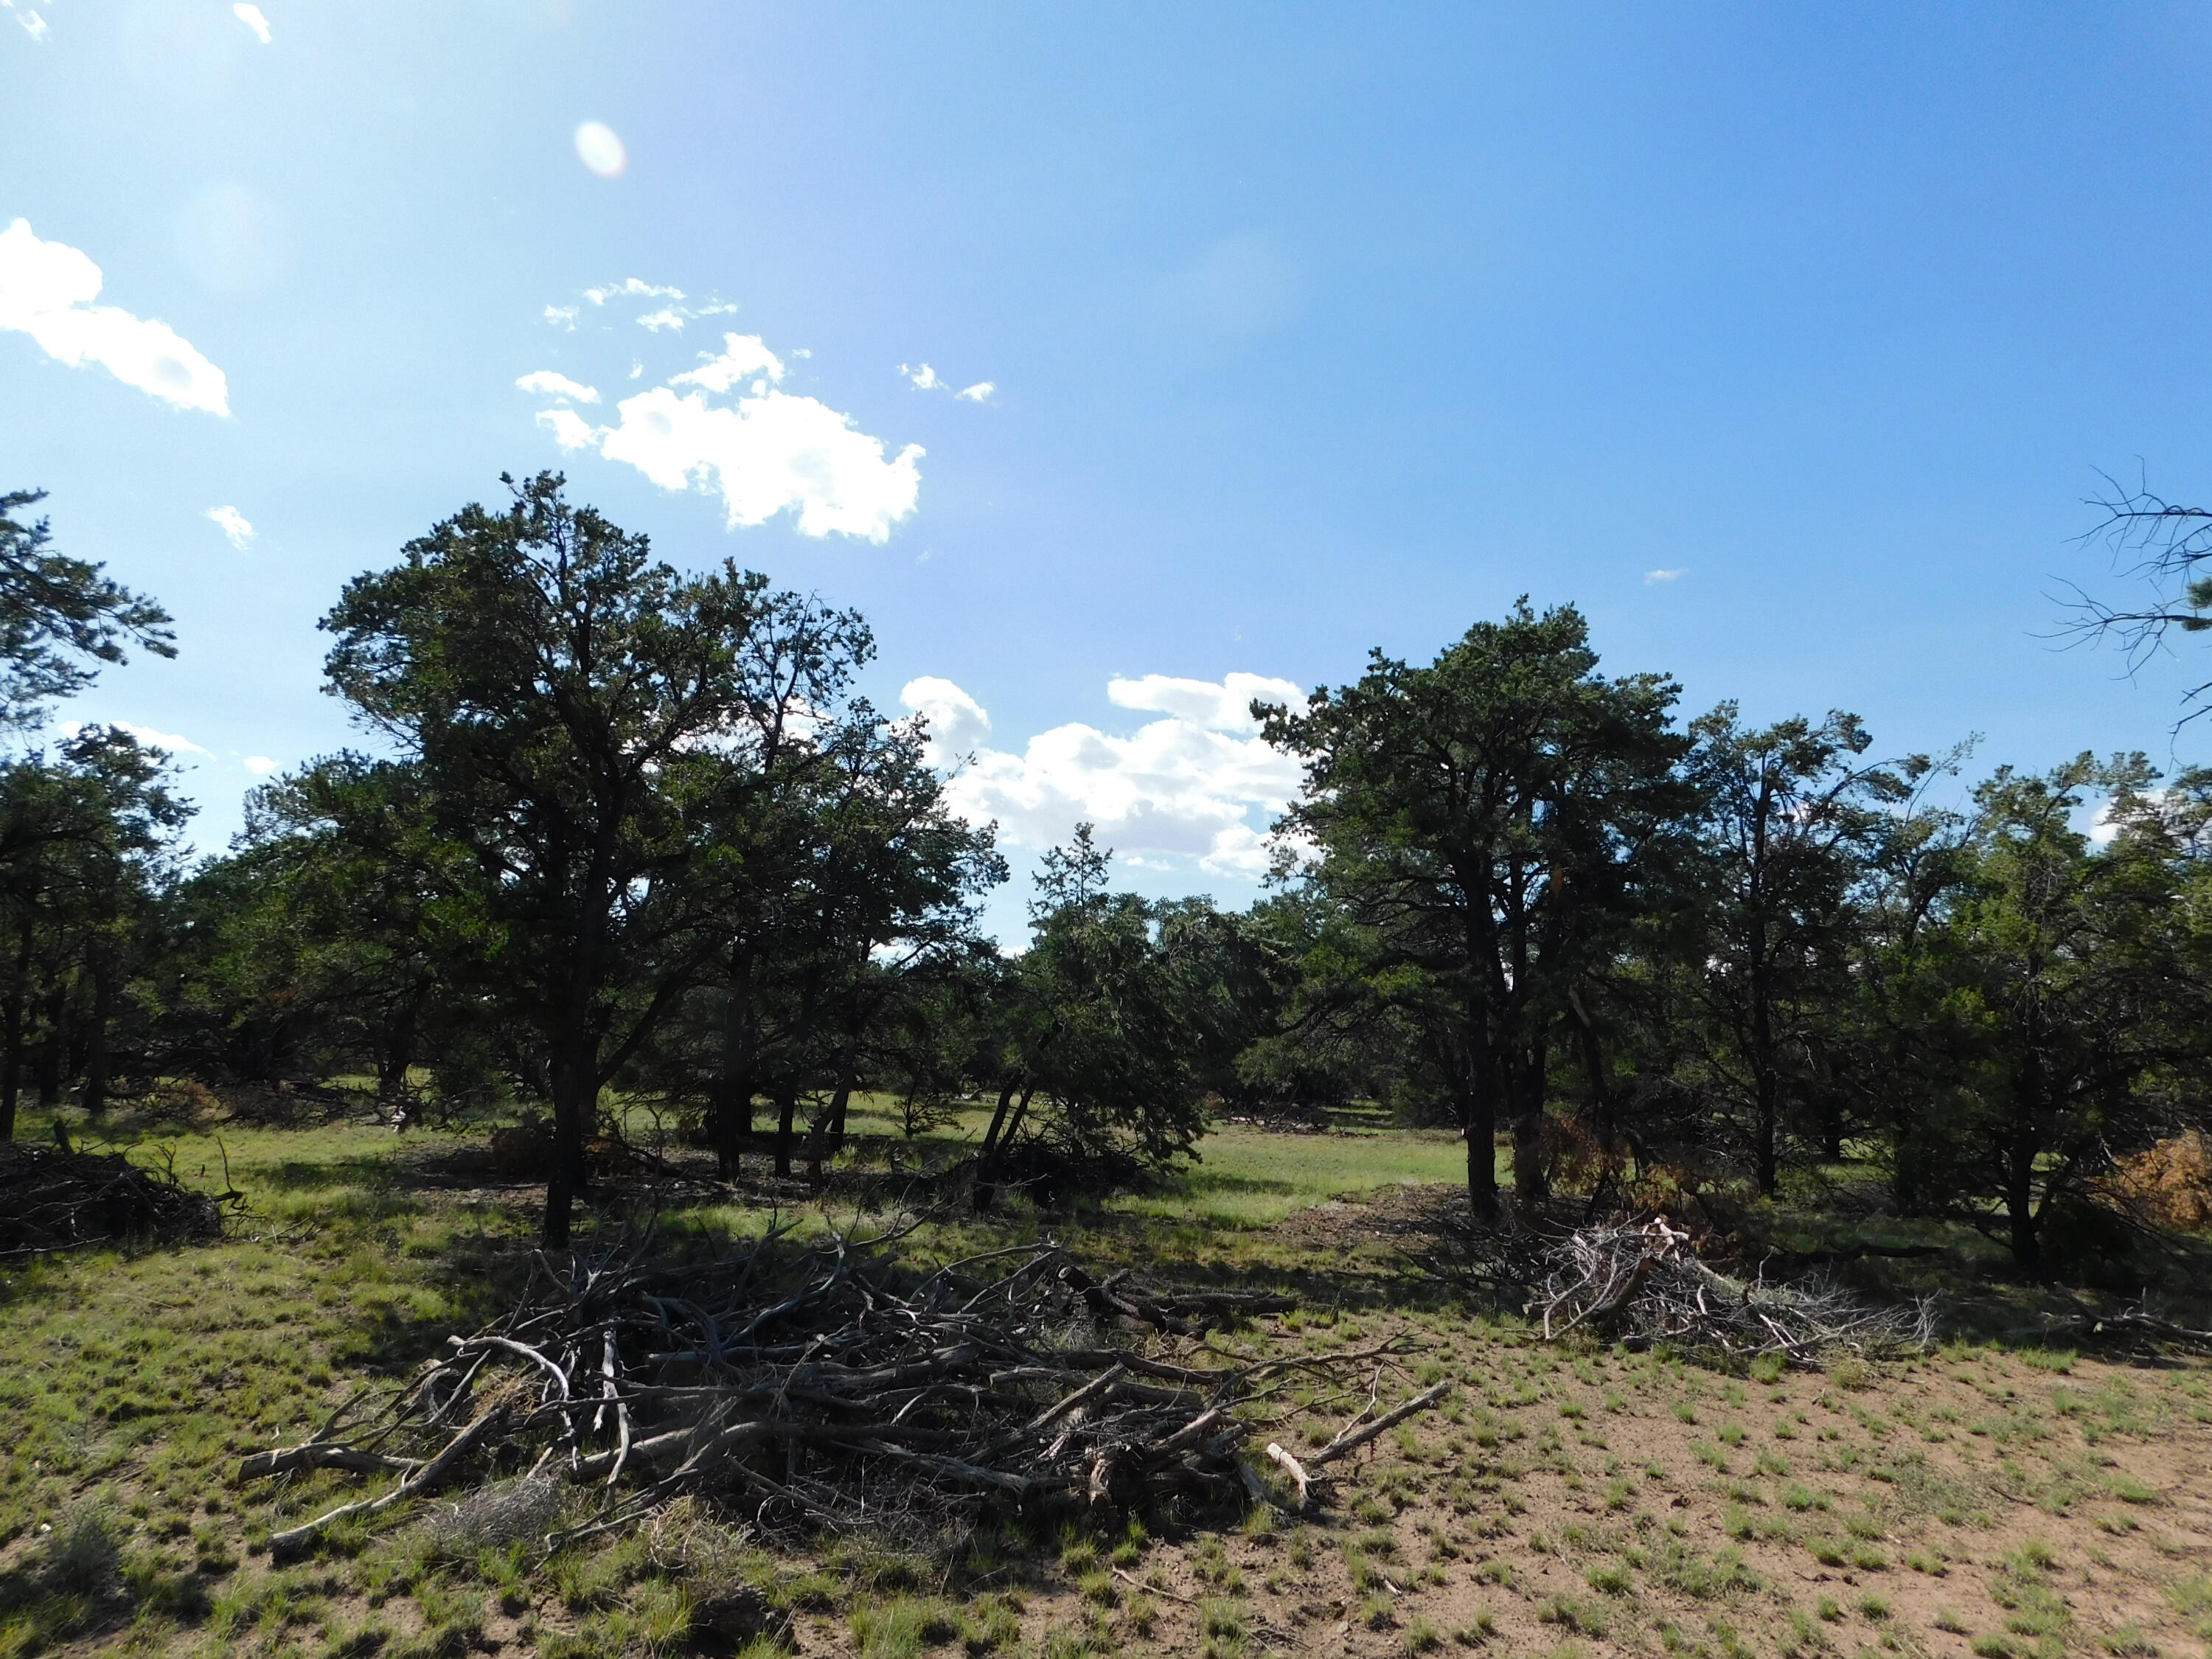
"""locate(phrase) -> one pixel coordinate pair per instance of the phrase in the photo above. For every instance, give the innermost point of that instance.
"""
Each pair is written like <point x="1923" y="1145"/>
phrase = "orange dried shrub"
<point x="1574" y="1160"/>
<point x="2170" y="1182"/>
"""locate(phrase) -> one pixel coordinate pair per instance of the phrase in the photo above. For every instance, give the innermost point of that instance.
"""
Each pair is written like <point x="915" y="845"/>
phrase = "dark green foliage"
<point x="1486" y="826"/>
<point x="59" y="618"/>
<point x="629" y="827"/>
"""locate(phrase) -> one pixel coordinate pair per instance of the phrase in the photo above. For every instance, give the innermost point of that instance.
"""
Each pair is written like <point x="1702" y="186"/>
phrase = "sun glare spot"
<point x="600" y="150"/>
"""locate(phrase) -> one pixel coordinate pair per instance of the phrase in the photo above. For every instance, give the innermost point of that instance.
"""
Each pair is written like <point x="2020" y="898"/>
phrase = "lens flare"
<point x="600" y="150"/>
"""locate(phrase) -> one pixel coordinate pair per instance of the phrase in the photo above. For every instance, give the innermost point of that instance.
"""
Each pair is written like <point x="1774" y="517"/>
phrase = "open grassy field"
<point x="1563" y="1500"/>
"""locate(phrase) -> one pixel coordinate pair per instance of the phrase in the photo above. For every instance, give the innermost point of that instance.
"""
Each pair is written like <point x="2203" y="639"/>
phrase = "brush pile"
<point x="819" y="1389"/>
<point x="54" y="1197"/>
<point x="1645" y="1284"/>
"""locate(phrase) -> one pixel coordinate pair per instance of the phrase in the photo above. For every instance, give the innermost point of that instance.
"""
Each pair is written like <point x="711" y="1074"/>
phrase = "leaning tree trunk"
<point x="1003" y="1125"/>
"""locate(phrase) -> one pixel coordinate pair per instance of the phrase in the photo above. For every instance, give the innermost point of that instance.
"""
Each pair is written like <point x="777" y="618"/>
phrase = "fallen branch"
<point x="1645" y="1284"/>
<point x="424" y="1479"/>
<point x="1353" y="1439"/>
<point x="320" y="1455"/>
<point x="818" y="1389"/>
<point x="1296" y="1472"/>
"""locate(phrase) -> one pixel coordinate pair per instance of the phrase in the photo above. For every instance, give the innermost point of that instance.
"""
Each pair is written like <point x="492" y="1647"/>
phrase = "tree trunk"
<point x="11" y="1061"/>
<point x="730" y="1104"/>
<point x="93" y="1096"/>
<point x="575" y="1102"/>
<point x="11" y="1038"/>
<point x="1763" y="1171"/>
<point x="787" y="1114"/>
<point x="52" y="1044"/>
<point x="397" y="1053"/>
<point x="1530" y="1182"/>
<point x="2020" y="1175"/>
<point x="1600" y="1085"/>
<point x="1001" y="1132"/>
<point x="1480" y="1125"/>
<point x="836" y="1121"/>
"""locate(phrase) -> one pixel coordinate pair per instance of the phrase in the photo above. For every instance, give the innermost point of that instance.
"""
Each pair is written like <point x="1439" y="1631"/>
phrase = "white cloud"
<point x="260" y="765"/>
<point x="1175" y="787"/>
<point x="666" y="317"/>
<point x="46" y="291"/>
<point x="33" y="24"/>
<point x="957" y="724"/>
<point x="547" y="383"/>
<point x="631" y="287"/>
<point x="563" y="315"/>
<point x="924" y="378"/>
<point x="1651" y="576"/>
<point x="570" y="430"/>
<point x="744" y="357"/>
<point x="770" y="452"/>
<point x="1223" y="705"/>
<point x="252" y="17"/>
<point x="600" y="150"/>
<point x="145" y="734"/>
<point x="233" y="524"/>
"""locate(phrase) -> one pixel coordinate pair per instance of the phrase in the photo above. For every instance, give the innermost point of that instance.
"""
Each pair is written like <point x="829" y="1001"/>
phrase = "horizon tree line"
<point x="629" y="833"/>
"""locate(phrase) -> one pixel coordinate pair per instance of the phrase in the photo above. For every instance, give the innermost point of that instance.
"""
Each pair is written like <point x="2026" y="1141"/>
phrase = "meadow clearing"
<point x="1986" y="1498"/>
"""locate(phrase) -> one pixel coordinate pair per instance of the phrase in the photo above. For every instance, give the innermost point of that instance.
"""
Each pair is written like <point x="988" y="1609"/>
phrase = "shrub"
<point x="2170" y="1182"/>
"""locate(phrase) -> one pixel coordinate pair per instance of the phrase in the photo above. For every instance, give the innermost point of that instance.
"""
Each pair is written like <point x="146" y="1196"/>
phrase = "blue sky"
<point x="1306" y="330"/>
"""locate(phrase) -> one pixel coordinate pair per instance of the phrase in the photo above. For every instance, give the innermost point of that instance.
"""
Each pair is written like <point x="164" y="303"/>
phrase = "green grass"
<point x="1250" y="1178"/>
<point x="130" y="1382"/>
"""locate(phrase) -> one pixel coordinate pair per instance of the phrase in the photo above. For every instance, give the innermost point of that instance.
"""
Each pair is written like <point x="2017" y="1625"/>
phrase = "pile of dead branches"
<point x="54" y="1197"/>
<point x="822" y="1388"/>
<point x="1645" y="1284"/>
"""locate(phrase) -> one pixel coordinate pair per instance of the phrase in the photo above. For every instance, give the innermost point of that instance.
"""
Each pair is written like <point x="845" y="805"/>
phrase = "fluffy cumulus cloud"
<point x="234" y="525"/>
<point x="260" y="765"/>
<point x="47" y="290"/>
<point x="957" y="724"/>
<point x="1197" y="784"/>
<point x="1224" y="705"/>
<point x="764" y="451"/>
<point x="251" y="17"/>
